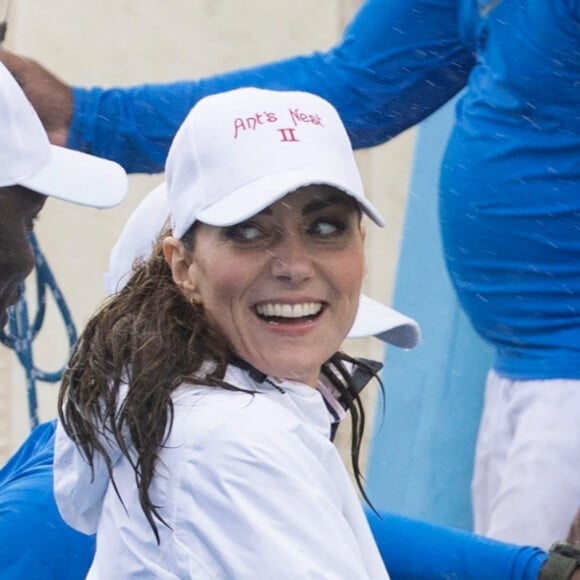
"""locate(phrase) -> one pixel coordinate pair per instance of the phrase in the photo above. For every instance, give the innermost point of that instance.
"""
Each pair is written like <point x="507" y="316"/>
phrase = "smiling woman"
<point x="283" y="286"/>
<point x="210" y="382"/>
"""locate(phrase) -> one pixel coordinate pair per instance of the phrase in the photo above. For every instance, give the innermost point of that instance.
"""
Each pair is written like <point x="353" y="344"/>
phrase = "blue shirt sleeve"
<point x="416" y="550"/>
<point x="397" y="62"/>
<point x="35" y="543"/>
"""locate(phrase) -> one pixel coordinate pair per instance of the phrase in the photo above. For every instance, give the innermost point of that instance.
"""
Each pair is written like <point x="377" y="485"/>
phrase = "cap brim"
<point x="255" y="196"/>
<point x="80" y="178"/>
<point x="390" y="326"/>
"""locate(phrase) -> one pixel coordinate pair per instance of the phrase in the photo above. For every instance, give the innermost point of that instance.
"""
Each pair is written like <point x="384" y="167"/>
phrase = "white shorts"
<point x="526" y="481"/>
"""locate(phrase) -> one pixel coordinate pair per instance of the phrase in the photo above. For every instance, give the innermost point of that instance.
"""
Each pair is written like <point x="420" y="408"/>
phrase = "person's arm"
<point x="34" y="540"/>
<point x="49" y="95"/>
<point x="417" y="550"/>
<point x="397" y="62"/>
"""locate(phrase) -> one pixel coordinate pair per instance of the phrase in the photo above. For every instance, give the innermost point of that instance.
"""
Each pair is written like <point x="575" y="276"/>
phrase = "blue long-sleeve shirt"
<point x="392" y="68"/>
<point x="35" y="542"/>
<point x="510" y="177"/>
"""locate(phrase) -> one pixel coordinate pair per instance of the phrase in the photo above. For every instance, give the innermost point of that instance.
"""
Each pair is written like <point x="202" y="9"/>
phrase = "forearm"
<point x="396" y="63"/>
<point x="412" y="549"/>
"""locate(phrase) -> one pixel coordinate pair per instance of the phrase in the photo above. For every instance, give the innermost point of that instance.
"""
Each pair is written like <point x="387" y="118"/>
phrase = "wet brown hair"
<point x="150" y="338"/>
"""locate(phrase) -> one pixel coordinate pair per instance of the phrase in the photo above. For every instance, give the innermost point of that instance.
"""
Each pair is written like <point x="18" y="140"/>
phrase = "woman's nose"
<point x="291" y="259"/>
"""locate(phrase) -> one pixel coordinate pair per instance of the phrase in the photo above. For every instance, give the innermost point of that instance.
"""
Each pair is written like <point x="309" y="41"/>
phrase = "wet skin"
<point x="283" y="286"/>
<point x="19" y="207"/>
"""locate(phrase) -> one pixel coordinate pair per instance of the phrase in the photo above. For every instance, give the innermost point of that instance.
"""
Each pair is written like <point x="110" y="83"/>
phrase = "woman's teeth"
<point x="289" y="310"/>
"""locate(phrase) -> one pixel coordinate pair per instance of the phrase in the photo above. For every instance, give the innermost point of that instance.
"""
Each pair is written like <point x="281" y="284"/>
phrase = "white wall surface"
<point x="124" y="42"/>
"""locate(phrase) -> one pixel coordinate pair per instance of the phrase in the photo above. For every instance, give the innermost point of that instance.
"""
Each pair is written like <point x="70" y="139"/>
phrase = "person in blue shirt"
<point x="509" y="207"/>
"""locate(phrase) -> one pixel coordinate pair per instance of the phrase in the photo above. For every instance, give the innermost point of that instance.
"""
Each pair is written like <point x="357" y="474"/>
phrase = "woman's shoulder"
<point x="205" y="409"/>
<point x="207" y="415"/>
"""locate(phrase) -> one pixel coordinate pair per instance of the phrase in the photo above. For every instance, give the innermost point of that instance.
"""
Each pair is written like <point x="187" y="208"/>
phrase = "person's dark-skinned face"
<point x="19" y="208"/>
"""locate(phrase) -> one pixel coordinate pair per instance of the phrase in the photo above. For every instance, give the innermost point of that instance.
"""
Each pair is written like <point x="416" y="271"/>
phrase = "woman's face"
<point x="283" y="286"/>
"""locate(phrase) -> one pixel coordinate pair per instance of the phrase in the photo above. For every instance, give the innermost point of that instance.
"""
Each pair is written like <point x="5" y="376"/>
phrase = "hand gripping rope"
<point x="21" y="334"/>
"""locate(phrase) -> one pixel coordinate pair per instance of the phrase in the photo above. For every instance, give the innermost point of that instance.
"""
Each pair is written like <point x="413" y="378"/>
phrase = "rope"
<point x="21" y="334"/>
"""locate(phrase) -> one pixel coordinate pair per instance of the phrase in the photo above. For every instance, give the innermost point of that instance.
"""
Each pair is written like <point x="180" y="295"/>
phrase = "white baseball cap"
<point x="28" y="159"/>
<point x="144" y="225"/>
<point x="137" y="238"/>
<point x="375" y="319"/>
<point x="240" y="151"/>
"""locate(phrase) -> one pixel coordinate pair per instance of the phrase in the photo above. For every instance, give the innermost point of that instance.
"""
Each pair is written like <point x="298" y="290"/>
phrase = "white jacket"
<point x="250" y="485"/>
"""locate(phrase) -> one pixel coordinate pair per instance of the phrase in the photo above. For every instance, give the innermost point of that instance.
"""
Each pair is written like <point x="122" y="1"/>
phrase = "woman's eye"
<point x="246" y="232"/>
<point x="327" y="228"/>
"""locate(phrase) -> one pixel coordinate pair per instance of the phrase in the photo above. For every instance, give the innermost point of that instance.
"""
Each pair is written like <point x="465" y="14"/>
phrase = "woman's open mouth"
<point x="276" y="313"/>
